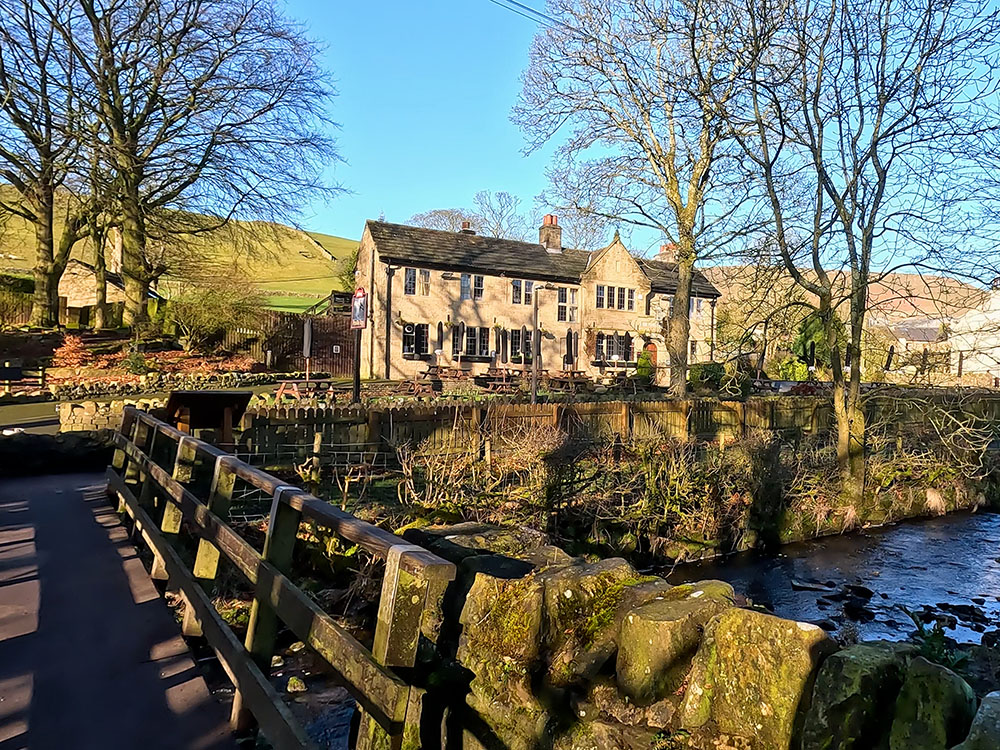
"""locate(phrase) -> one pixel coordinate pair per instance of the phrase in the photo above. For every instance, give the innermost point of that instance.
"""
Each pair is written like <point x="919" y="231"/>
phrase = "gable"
<point x="616" y="265"/>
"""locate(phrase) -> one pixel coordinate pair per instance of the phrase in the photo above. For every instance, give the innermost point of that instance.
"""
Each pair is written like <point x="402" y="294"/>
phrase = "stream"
<point x="945" y="569"/>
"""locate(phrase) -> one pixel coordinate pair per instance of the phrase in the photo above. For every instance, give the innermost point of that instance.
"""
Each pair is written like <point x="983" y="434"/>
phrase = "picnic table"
<point x="299" y="389"/>
<point x="569" y="380"/>
<point x="500" y="380"/>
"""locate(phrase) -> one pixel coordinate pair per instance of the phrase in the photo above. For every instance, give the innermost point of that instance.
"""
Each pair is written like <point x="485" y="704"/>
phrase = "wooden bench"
<point x="13" y="374"/>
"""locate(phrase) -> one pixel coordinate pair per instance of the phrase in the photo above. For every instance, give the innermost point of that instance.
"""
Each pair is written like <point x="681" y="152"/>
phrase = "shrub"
<point x="644" y="366"/>
<point x="706" y="376"/>
<point x="135" y="364"/>
<point x="204" y="314"/>
<point x="72" y="353"/>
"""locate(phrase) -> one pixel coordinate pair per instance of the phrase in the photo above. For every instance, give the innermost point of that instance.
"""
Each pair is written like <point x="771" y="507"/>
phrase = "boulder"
<point x="855" y="690"/>
<point x="499" y="646"/>
<point x="934" y="709"/>
<point x="461" y="541"/>
<point x="751" y="678"/>
<point x="985" y="732"/>
<point x="659" y="639"/>
<point x="585" y="604"/>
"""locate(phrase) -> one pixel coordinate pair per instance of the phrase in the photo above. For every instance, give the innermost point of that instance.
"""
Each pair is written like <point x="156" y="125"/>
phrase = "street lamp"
<point x="536" y="342"/>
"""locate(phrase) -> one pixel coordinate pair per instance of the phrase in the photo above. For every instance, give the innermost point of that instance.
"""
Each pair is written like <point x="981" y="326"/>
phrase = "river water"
<point x="933" y="563"/>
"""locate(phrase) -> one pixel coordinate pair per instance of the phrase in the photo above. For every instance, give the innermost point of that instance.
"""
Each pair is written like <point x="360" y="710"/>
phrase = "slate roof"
<point x="456" y="251"/>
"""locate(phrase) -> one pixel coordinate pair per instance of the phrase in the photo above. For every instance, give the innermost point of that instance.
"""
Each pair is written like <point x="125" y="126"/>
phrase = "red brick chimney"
<point x="467" y="228"/>
<point x="668" y="253"/>
<point x="550" y="234"/>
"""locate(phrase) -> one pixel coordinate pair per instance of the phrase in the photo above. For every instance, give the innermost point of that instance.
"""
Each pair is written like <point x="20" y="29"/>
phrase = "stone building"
<point x="78" y="294"/>
<point x="460" y="299"/>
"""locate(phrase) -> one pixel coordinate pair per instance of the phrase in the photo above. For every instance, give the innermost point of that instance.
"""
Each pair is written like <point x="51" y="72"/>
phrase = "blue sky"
<point x="425" y="91"/>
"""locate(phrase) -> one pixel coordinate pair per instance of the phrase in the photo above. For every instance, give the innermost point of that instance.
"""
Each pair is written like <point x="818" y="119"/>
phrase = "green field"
<point x="297" y="268"/>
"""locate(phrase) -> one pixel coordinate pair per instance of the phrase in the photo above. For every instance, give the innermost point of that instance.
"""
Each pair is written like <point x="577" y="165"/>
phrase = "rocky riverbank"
<point x="545" y="650"/>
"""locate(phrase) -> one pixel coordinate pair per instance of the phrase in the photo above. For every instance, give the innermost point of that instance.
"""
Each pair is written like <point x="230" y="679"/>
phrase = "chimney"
<point x="466" y="228"/>
<point x="550" y="234"/>
<point x="668" y="253"/>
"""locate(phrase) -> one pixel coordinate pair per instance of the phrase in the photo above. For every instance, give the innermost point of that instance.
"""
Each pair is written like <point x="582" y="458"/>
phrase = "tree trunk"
<point x="680" y="318"/>
<point x="45" y="300"/>
<point x="100" y="280"/>
<point x="133" y="267"/>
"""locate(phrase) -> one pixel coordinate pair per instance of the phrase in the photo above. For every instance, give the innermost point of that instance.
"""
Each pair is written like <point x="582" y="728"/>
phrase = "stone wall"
<point x="542" y="650"/>
<point x="94" y="416"/>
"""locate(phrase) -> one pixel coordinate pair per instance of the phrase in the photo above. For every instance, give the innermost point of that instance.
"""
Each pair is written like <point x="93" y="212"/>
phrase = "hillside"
<point x="296" y="268"/>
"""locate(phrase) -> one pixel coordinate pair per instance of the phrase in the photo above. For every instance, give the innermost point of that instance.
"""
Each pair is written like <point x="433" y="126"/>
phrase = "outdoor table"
<point x="299" y="389"/>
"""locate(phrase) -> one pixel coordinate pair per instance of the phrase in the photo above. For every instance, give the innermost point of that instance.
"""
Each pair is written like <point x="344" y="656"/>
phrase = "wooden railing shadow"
<point x="158" y="475"/>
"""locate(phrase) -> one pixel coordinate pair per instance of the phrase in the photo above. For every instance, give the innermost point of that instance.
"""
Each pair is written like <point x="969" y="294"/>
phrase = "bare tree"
<point x="446" y="219"/>
<point x="640" y="88"/>
<point x="211" y="109"/>
<point x="864" y="125"/>
<point x="500" y="215"/>
<point x="40" y="140"/>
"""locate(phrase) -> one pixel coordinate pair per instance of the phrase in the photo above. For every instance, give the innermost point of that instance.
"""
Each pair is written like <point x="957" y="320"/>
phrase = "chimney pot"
<point x="550" y="234"/>
<point x="467" y="228"/>
<point x="668" y="253"/>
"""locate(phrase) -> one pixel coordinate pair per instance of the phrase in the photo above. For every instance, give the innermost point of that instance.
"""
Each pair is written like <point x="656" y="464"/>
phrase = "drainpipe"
<point x="711" y="345"/>
<point x="389" y="272"/>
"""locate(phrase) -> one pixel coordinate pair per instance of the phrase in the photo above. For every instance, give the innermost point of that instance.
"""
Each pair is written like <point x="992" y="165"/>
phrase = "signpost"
<point x="359" y="321"/>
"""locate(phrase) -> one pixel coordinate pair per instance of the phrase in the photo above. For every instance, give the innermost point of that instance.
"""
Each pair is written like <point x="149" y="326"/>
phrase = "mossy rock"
<point x="855" y="690"/>
<point x="934" y="710"/>
<point x="659" y="639"/>
<point x="500" y="645"/>
<point x="584" y="607"/>
<point x="752" y="677"/>
<point x="599" y="735"/>
<point x="985" y="731"/>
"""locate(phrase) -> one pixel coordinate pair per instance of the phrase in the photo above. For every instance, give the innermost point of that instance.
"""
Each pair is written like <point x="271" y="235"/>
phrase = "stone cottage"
<point x="464" y="300"/>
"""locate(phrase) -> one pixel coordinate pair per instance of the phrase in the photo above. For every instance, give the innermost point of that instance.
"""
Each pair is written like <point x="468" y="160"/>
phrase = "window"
<point x="611" y="298"/>
<point x="599" y="347"/>
<point x="477" y="287"/>
<point x="415" y="339"/>
<point x="477" y="342"/>
<point x="410" y="281"/>
<point x="694" y="350"/>
<point x="466" y="286"/>
<point x="621" y="298"/>
<point x="631" y="299"/>
<point x="515" y="291"/>
<point x="566" y="310"/>
<point x="425" y="283"/>
<point x="697" y="306"/>
<point x="529" y="287"/>
<point x="600" y="297"/>
<point x="456" y="341"/>
<point x="519" y="348"/>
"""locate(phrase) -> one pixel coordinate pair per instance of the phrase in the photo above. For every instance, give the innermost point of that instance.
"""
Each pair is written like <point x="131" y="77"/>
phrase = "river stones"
<point x="752" y="677"/>
<point x="659" y="639"/>
<point x="985" y="731"/>
<point x="934" y="709"/>
<point x="855" y="691"/>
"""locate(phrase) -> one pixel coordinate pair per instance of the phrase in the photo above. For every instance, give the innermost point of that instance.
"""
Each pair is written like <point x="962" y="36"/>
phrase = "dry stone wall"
<point x="95" y="416"/>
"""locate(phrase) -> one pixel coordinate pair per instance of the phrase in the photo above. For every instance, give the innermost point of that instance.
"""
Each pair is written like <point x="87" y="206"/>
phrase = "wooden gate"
<point x="175" y="487"/>
<point x="281" y="335"/>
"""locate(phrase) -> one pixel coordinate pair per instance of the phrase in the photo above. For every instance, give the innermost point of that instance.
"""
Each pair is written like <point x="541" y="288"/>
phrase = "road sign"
<point x="359" y="309"/>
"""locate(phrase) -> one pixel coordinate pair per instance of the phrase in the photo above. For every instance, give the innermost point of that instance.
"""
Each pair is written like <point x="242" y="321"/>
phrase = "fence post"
<point x="206" y="561"/>
<point x="170" y="522"/>
<point x="409" y="606"/>
<point x="626" y="420"/>
<point x="282" y="530"/>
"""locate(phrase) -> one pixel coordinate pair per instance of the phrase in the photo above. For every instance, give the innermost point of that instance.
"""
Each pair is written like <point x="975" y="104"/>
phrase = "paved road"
<point x="90" y="655"/>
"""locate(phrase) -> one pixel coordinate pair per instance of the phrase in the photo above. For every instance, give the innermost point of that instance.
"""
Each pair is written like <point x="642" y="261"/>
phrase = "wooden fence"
<point x="349" y="436"/>
<point x="164" y="478"/>
<point x="15" y="309"/>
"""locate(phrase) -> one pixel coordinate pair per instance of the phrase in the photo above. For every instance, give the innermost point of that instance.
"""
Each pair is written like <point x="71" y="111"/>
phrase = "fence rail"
<point x="159" y="475"/>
